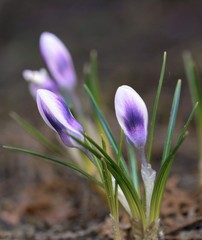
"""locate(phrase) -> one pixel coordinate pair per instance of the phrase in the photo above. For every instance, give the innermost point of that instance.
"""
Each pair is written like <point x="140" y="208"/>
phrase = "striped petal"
<point x="57" y="115"/>
<point x="132" y="115"/>
<point x="58" y="60"/>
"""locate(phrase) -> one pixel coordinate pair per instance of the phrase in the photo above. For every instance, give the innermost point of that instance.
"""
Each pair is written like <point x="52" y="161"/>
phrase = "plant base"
<point x="152" y="232"/>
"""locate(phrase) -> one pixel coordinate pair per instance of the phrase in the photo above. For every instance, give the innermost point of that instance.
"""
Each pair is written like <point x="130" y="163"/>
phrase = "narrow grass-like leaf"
<point x="123" y="180"/>
<point x="118" y="163"/>
<point x="129" y="191"/>
<point x="133" y="166"/>
<point x="172" y="121"/>
<point x="162" y="176"/>
<point x="120" y="147"/>
<point x="101" y="150"/>
<point x="96" y="161"/>
<point x="196" y="94"/>
<point x="193" y="80"/>
<point x="120" y="176"/>
<point x="105" y="127"/>
<point x="195" y="88"/>
<point x="55" y="160"/>
<point x="161" y="182"/>
<point x="91" y="76"/>
<point x="36" y="133"/>
<point x="153" y="120"/>
<point x="107" y="181"/>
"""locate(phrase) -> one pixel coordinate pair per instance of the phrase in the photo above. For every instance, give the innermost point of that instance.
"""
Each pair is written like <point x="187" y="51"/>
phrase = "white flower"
<point x="132" y="115"/>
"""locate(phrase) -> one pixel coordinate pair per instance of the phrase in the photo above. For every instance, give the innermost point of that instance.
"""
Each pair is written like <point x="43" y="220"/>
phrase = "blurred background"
<point x="130" y="38"/>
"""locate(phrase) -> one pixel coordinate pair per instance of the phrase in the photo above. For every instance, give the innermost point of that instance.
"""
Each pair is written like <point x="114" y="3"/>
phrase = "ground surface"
<point x="70" y="208"/>
<point x="41" y="201"/>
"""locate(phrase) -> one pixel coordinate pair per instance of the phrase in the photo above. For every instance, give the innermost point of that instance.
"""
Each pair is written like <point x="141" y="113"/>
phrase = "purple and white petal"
<point x="39" y="80"/>
<point x="58" y="60"/>
<point x="57" y="116"/>
<point x="132" y="115"/>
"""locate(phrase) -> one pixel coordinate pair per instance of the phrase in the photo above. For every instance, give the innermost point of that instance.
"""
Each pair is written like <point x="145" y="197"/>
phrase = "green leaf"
<point x="193" y="80"/>
<point x="172" y="121"/>
<point x="55" y="160"/>
<point x="133" y="166"/>
<point x="107" y="181"/>
<point x="162" y="176"/>
<point x="151" y="133"/>
<point x="36" y="133"/>
<point x="91" y="76"/>
<point x="118" y="163"/>
<point x="122" y="178"/>
<point x="129" y="191"/>
<point x="196" y="94"/>
<point x="105" y="127"/>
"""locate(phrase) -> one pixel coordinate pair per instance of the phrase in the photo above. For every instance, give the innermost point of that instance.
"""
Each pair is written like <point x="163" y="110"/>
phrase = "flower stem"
<point x="116" y="229"/>
<point x="148" y="176"/>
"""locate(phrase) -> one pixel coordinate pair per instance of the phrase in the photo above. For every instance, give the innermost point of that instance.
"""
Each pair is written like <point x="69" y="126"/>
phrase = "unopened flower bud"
<point x="57" y="116"/>
<point x="58" y="60"/>
<point x="39" y="80"/>
<point x="132" y="115"/>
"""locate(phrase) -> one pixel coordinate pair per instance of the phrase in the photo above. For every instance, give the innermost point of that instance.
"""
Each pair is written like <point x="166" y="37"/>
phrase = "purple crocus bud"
<point x="57" y="116"/>
<point x="39" y="80"/>
<point x="132" y="115"/>
<point x="58" y="60"/>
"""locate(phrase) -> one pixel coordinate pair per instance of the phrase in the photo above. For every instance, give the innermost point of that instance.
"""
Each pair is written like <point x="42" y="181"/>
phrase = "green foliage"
<point x="54" y="160"/>
<point x="118" y="181"/>
<point x="196" y="94"/>
<point x="171" y="124"/>
<point x="153" y="120"/>
<point x="35" y="133"/>
<point x="165" y="170"/>
<point x="105" y="126"/>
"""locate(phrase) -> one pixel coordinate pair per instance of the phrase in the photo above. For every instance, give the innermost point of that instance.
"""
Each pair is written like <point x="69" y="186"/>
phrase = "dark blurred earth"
<point x="130" y="37"/>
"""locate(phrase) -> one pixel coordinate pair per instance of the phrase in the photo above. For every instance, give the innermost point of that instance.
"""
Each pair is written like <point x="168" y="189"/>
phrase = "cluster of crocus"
<point x="119" y="181"/>
<point x="131" y="114"/>
<point x="130" y="110"/>
<point x="59" y="63"/>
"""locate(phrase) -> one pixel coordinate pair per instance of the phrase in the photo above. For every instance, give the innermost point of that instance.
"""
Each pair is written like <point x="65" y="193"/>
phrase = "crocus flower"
<point x="57" y="116"/>
<point x="132" y="115"/>
<point x="39" y="80"/>
<point x="58" y="60"/>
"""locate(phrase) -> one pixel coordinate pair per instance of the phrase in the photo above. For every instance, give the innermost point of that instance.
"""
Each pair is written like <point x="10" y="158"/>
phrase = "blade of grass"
<point x="129" y="191"/>
<point x="105" y="127"/>
<point x="151" y="133"/>
<point x="161" y="182"/>
<point x="123" y="180"/>
<point x="172" y="121"/>
<point x="193" y="80"/>
<point x="116" y="183"/>
<point x="196" y="94"/>
<point x="94" y="77"/>
<point x="35" y="133"/>
<point x="108" y="188"/>
<point x="55" y="160"/>
<point x="91" y="76"/>
<point x="162" y="176"/>
<point x="133" y="166"/>
<point x="120" y="176"/>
